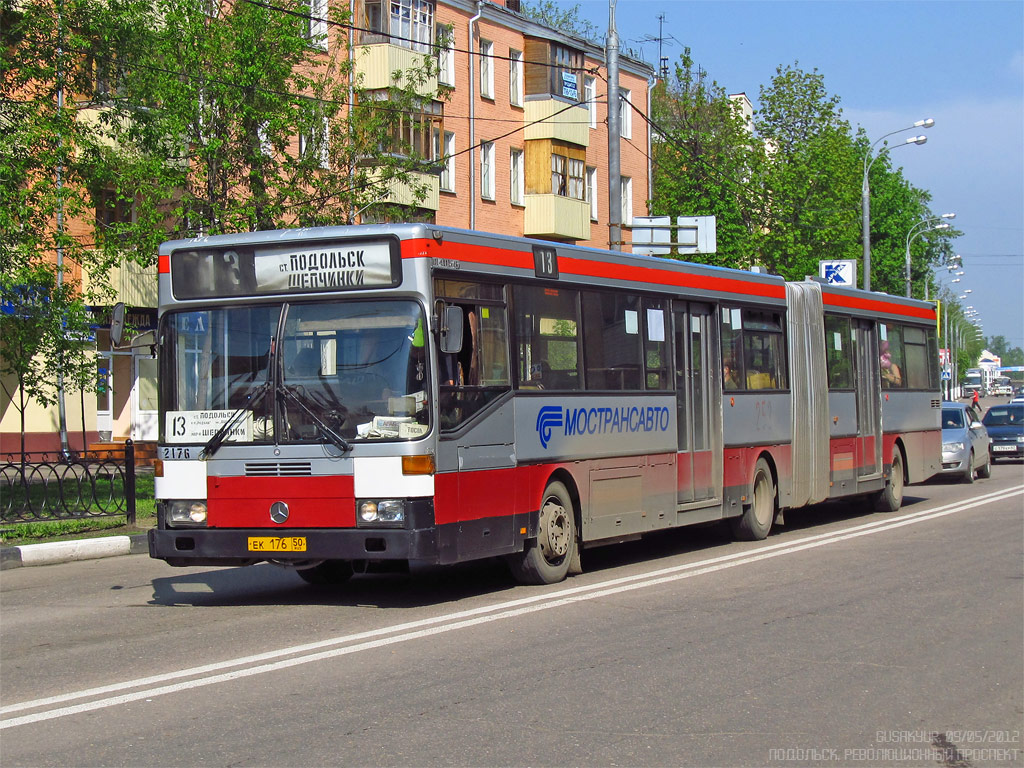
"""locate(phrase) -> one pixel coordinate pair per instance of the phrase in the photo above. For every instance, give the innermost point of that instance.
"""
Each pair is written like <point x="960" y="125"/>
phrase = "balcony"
<point x="402" y="194"/>
<point x="558" y="217"/>
<point x="136" y="286"/>
<point x="572" y="125"/>
<point x="374" y="65"/>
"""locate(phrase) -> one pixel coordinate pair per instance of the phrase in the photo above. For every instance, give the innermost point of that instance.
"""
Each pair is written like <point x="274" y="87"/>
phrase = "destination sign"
<point x="200" y="426"/>
<point x="328" y="267"/>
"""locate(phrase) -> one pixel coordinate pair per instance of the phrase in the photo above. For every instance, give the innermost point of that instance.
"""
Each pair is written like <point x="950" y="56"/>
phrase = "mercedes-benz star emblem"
<point x="278" y="511"/>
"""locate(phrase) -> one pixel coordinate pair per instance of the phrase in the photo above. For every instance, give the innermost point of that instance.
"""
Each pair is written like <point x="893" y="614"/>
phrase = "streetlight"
<point x="919" y="229"/>
<point x="865" y="190"/>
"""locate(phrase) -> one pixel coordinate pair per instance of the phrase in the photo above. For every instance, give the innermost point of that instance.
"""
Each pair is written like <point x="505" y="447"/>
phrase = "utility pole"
<point x="614" y="168"/>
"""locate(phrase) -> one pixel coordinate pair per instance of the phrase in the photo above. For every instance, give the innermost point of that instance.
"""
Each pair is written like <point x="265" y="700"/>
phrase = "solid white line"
<point x="462" y="619"/>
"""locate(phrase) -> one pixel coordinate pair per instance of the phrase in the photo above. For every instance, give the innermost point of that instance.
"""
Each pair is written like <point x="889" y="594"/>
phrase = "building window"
<point x="406" y="23"/>
<point x="516" y="178"/>
<point x="515" y="78"/>
<point x="316" y="24"/>
<point x="627" y="201"/>
<point x="590" y="95"/>
<point x="625" y="114"/>
<point x="112" y="212"/>
<point x="567" y="177"/>
<point x="446" y="54"/>
<point x="592" y="192"/>
<point x="314" y="143"/>
<point x="487" y="69"/>
<point x="447" y="156"/>
<point x="487" y="170"/>
<point x="412" y="134"/>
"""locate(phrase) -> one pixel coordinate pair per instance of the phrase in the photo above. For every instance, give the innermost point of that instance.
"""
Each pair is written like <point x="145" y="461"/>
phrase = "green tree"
<point x="810" y="175"/>
<point x="703" y="156"/>
<point x="565" y="19"/>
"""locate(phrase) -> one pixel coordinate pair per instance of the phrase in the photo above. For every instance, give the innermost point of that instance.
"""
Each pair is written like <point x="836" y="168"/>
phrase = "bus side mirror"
<point x="117" y="325"/>
<point x="451" y="329"/>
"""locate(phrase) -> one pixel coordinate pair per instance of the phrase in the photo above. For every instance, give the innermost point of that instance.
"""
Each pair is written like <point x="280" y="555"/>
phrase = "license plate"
<point x="277" y="543"/>
<point x="1004" y="447"/>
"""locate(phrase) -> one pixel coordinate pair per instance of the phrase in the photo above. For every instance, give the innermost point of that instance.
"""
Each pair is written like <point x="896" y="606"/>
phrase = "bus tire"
<point x="890" y="498"/>
<point x="328" y="572"/>
<point x="547" y="560"/>
<point x="756" y="520"/>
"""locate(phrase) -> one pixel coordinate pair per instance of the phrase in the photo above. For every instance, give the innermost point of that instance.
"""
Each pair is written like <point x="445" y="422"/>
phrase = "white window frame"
<point x="486" y="69"/>
<point x="590" y="96"/>
<point x="592" y="191"/>
<point x="446" y="56"/>
<point x="320" y="146"/>
<point x="316" y="27"/>
<point x="517" y="172"/>
<point x="627" y="201"/>
<point x="625" y="113"/>
<point x="515" y="78"/>
<point x="487" y="170"/>
<point x="448" y="158"/>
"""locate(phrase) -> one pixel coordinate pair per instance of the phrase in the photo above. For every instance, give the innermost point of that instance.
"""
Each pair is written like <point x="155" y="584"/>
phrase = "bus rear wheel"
<point x="328" y="572"/>
<point x="547" y="561"/>
<point x="756" y="520"/>
<point x="890" y="498"/>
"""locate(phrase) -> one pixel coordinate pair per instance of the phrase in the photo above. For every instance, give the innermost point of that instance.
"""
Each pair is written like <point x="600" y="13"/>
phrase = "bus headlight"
<point x="381" y="512"/>
<point x="185" y="512"/>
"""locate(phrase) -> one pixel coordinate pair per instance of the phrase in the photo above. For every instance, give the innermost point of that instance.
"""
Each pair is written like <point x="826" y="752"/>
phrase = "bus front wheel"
<point x="547" y="560"/>
<point x="756" y="520"/>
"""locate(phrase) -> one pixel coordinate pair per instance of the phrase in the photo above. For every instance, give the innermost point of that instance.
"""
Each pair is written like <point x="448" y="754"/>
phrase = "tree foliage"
<point x="702" y="156"/>
<point x="126" y="122"/>
<point x="786" y="194"/>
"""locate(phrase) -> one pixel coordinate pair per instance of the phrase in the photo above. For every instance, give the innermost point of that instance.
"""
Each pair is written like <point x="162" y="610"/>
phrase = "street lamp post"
<point x="919" y="229"/>
<point x="865" y="190"/>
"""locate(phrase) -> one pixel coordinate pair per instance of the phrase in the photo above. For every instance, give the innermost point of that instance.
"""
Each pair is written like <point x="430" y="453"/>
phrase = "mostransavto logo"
<point x="550" y="416"/>
<point x="600" y="421"/>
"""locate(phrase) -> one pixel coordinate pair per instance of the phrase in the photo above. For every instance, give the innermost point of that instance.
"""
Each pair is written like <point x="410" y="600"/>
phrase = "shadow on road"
<point x="425" y="585"/>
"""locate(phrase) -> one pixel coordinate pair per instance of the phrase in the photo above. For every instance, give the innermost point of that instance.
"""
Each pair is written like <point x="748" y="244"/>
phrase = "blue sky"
<point x="891" y="63"/>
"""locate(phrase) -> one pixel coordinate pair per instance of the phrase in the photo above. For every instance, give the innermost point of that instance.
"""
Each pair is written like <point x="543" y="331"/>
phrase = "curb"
<point x="67" y="551"/>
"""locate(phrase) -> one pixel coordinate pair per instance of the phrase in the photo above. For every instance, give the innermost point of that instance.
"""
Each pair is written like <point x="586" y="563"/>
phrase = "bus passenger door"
<point x="698" y="403"/>
<point x="869" y="406"/>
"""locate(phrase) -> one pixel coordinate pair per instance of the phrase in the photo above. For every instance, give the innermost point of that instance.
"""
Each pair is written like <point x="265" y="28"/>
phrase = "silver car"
<point x="965" y="442"/>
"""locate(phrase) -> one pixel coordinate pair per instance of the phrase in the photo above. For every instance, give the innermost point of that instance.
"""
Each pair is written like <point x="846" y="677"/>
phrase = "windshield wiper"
<point x="252" y="397"/>
<point x="332" y="437"/>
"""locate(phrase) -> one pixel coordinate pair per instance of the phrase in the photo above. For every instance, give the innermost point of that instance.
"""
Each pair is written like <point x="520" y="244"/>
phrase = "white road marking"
<point x="414" y="630"/>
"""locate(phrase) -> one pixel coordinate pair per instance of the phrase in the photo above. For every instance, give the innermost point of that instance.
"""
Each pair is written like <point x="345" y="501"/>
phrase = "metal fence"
<point x="41" y="486"/>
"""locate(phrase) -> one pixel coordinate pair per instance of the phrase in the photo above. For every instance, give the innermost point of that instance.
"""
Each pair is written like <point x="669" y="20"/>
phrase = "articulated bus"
<point x="341" y="399"/>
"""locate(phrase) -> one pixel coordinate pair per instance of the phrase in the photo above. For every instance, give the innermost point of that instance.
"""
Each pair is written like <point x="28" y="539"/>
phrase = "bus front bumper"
<point x="234" y="546"/>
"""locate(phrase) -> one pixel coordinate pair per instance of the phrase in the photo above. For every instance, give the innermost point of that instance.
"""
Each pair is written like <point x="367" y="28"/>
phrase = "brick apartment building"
<point x="522" y="142"/>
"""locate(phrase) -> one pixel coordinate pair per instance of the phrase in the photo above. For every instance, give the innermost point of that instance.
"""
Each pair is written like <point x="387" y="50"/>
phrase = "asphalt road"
<point x="847" y="638"/>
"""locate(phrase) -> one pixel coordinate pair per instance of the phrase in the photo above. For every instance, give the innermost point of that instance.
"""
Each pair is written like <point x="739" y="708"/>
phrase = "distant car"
<point x="965" y="442"/>
<point x="1005" y="424"/>
<point x="1018" y="399"/>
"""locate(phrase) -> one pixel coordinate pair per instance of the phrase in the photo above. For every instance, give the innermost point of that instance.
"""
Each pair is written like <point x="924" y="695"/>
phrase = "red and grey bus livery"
<point x="337" y="397"/>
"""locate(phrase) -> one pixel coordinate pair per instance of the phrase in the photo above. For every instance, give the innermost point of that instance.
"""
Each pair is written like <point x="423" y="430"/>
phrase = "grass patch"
<point x="14" y="534"/>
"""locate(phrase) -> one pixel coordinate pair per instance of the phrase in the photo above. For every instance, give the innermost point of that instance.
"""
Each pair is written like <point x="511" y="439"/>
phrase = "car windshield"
<point x="952" y="418"/>
<point x="1004" y="416"/>
<point x="355" y="368"/>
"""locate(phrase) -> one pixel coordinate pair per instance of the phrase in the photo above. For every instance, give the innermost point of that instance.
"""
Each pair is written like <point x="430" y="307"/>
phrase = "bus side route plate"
<point x="277" y="543"/>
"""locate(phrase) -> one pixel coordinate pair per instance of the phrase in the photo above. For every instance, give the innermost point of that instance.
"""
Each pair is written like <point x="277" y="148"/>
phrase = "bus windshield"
<point x="357" y="368"/>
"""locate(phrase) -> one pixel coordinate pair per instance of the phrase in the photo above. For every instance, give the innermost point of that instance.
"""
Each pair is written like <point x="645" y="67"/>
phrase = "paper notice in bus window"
<point x="323" y="267"/>
<point x="655" y="325"/>
<point x="632" y="321"/>
<point x="838" y="345"/>
<point x="200" y="426"/>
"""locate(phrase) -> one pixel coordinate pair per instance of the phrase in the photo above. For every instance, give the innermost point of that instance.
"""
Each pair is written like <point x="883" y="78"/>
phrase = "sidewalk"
<point x="67" y="551"/>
